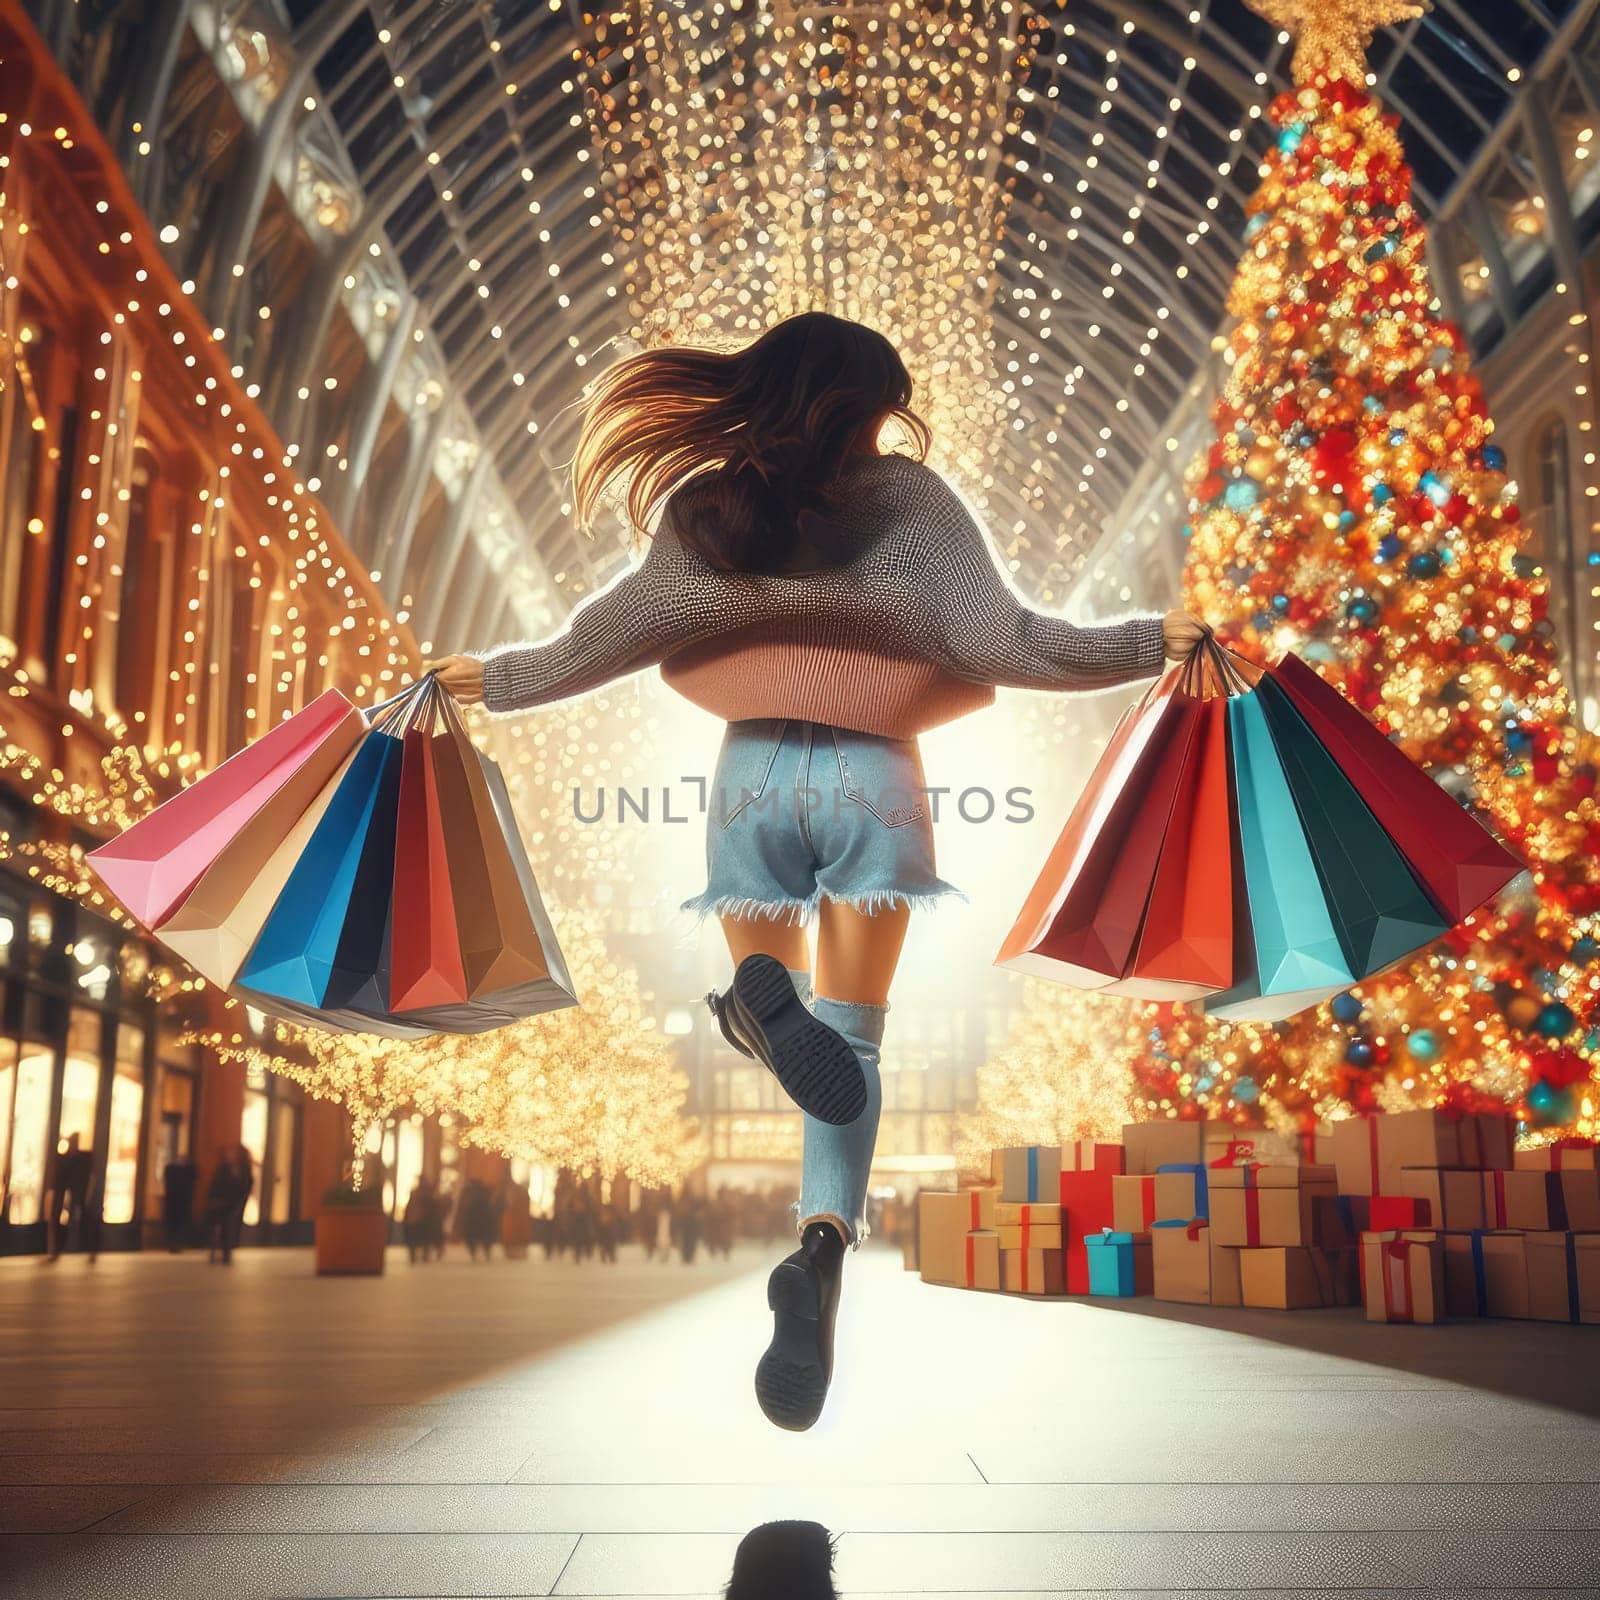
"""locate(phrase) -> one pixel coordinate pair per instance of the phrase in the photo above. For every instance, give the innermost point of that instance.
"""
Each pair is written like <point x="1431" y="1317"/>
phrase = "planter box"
<point x="351" y="1240"/>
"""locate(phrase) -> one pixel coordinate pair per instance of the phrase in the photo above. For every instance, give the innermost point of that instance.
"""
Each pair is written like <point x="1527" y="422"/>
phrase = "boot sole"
<point x="817" y="1068"/>
<point x="790" y="1386"/>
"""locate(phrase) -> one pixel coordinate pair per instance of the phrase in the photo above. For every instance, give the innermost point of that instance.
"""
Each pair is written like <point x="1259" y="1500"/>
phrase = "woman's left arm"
<point x="985" y="632"/>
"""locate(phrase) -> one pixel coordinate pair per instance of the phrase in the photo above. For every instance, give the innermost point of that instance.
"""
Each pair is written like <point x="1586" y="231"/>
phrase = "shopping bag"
<point x="1457" y="860"/>
<point x="425" y="951"/>
<point x="294" y="953"/>
<point x="1380" y="911"/>
<point x="151" y="866"/>
<point x="1295" y="956"/>
<point x="216" y="924"/>
<point x="499" y="943"/>
<point x="1185" y="944"/>
<point x="1078" y="865"/>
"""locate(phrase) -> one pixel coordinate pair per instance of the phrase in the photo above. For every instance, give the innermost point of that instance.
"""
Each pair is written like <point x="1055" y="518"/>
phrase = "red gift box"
<point x="1086" y="1208"/>
<point x="1091" y="1155"/>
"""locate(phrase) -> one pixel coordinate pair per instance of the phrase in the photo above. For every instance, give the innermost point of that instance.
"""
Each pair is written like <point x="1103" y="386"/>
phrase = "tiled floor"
<point x="167" y="1429"/>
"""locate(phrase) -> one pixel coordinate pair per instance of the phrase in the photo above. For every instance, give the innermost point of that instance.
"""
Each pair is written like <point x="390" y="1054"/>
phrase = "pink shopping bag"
<point x="154" y="864"/>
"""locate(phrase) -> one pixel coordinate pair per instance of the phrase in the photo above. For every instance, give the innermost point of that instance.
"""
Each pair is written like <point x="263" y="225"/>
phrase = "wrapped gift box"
<point x="1559" y="1289"/>
<point x="1267" y="1207"/>
<point x="1403" y="1276"/>
<point x="1181" y="1192"/>
<point x="1394" y="1213"/>
<point x="1091" y="1155"/>
<point x="981" y="1202"/>
<point x="1580" y="1198"/>
<point x="1180" y="1261"/>
<point x="1371" y="1151"/>
<point x="1165" y="1196"/>
<point x="997" y="1168"/>
<point x="1227" y="1286"/>
<point x="1529" y="1201"/>
<point x="1033" y="1271"/>
<point x="1119" y="1264"/>
<point x="1133" y="1202"/>
<point x="1031" y="1173"/>
<point x="1032" y="1236"/>
<point x="1562" y="1156"/>
<point x="1292" y="1278"/>
<point x="1453" y="1197"/>
<point x="1086" y="1207"/>
<point x="1148" y="1146"/>
<point x="981" y="1260"/>
<point x="1483" y="1270"/>
<point x="941" y="1230"/>
<point x="1339" y="1220"/>
<point x="1316" y="1145"/>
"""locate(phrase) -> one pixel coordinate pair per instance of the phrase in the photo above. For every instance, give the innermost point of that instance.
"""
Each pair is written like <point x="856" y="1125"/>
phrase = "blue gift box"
<point x="1202" y="1203"/>
<point x="1119" y="1264"/>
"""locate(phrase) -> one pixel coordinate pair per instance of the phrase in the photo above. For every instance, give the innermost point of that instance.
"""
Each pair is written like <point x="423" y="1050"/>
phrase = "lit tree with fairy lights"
<point x="1354" y="508"/>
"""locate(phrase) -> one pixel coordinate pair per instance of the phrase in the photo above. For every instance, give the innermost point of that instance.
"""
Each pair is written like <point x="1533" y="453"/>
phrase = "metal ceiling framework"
<point x="1140" y="129"/>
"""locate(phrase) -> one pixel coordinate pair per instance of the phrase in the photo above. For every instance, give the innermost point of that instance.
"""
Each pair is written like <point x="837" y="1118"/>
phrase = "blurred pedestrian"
<point x="67" y="1183"/>
<point x="475" y="1218"/>
<point x="229" y="1192"/>
<point x="605" y="1230"/>
<point x="784" y="1561"/>
<point x="179" y="1181"/>
<point x="416" y="1224"/>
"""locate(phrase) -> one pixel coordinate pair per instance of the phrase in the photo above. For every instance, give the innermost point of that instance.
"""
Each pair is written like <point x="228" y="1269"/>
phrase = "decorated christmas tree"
<point x="1355" y="509"/>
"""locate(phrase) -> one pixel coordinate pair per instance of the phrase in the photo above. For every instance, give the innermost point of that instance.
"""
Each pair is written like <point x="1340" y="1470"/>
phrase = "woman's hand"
<point x="460" y="676"/>
<point x="1181" y="633"/>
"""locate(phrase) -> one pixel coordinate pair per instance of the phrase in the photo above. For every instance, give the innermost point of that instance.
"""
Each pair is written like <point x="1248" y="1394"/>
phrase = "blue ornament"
<point x="1347" y="520"/>
<point x="1382" y="494"/>
<point x="1246" y="1090"/>
<point x="1593" y="558"/>
<point x="1397" y="436"/>
<point x="1241" y="494"/>
<point x="1555" y="1021"/>
<point x="1372" y="403"/>
<point x="1436" y="489"/>
<point x="1424" y="564"/>
<point x="1388" y="547"/>
<point x="1363" y="609"/>
<point x="1517" y="740"/>
<point x="1358" y="1053"/>
<point x="1280" y="602"/>
<point x="1255" y="225"/>
<point x="1346" y="1008"/>
<point x="1585" y="948"/>
<point x="1422" y="1044"/>
<point x="1289" y="140"/>
<point x="1494" y="458"/>
<point x="1448" y="555"/>
<point x="1379" y="249"/>
<point x="1540" y="1096"/>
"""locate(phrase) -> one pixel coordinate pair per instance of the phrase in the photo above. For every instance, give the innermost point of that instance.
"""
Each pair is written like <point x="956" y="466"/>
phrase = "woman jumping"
<point x="831" y="603"/>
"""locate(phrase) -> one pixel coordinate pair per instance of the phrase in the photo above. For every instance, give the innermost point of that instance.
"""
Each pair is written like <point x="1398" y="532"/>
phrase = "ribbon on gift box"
<point x="1480" y="1282"/>
<point x="1033" y="1176"/>
<point x="1025" y="1256"/>
<point x="1574" y="1304"/>
<point x="1497" y="1198"/>
<point x="972" y="1257"/>
<point x="1252" y="1214"/>
<point x="1027" y="1231"/>
<point x="1147" y="1200"/>
<point x="1397" y="1272"/>
<point x="977" y="1221"/>
<point x="1465" y="1121"/>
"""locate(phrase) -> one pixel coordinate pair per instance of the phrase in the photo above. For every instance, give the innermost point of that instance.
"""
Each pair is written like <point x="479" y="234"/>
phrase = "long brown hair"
<point x="763" y="431"/>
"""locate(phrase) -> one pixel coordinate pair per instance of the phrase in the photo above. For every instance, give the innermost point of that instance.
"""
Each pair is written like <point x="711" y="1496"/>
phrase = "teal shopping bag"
<point x="294" y="954"/>
<point x="1296" y="957"/>
<point x="1380" y="912"/>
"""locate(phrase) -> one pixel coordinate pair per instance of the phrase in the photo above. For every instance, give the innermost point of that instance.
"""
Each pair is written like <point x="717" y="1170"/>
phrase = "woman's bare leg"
<point x="785" y="941"/>
<point x="857" y="952"/>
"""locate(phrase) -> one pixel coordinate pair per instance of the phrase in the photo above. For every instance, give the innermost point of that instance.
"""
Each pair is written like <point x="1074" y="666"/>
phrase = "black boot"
<point x="762" y="1016"/>
<point x="792" y="1378"/>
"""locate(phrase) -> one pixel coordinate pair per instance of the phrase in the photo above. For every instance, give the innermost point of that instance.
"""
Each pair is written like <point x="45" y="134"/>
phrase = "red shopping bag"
<point x="1458" y="862"/>
<point x="154" y="864"/>
<point x="425" y="964"/>
<point x="1185" y="945"/>
<point x="1079" y="920"/>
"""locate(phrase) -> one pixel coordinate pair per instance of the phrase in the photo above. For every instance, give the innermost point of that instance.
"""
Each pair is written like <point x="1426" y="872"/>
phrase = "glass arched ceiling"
<point x="1138" y="134"/>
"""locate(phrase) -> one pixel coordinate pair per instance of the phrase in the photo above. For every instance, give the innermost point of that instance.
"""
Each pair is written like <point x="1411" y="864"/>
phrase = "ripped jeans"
<point x="799" y="812"/>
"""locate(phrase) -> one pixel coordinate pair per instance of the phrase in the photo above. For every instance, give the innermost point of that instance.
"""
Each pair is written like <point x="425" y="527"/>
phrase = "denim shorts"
<point x="800" y="812"/>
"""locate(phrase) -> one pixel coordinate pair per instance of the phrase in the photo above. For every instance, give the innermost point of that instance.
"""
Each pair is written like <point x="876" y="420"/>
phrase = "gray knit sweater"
<point x="916" y="610"/>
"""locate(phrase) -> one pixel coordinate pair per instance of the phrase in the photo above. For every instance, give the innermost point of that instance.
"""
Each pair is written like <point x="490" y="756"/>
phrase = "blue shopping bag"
<point x="1296" y="958"/>
<point x="294" y="954"/>
<point x="1380" y="911"/>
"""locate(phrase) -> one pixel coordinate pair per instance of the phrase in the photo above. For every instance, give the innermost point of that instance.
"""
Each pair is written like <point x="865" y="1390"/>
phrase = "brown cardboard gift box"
<point x="1148" y="1145"/>
<point x="1032" y="1236"/>
<point x="1562" y="1156"/>
<point x="1227" y="1287"/>
<point x="1293" y="1278"/>
<point x="1011" y="1214"/>
<point x="1138" y="1200"/>
<point x="1031" y="1173"/>
<point x="980" y="1266"/>
<point x="1403" y="1276"/>
<point x="1180" y="1259"/>
<point x="1563" y="1276"/>
<point x="1580" y="1198"/>
<point x="1033" y="1271"/>
<point x="1453" y="1195"/>
<point x="1485" y="1273"/>
<point x="1341" y="1219"/>
<point x="1273" y="1207"/>
<point x="1370" y="1151"/>
<point x="1523" y="1200"/>
<point x="941" y="1230"/>
<point x="981" y="1201"/>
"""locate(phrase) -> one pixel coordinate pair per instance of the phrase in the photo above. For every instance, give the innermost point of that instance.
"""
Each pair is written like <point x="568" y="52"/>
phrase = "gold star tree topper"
<point x="1332" y="36"/>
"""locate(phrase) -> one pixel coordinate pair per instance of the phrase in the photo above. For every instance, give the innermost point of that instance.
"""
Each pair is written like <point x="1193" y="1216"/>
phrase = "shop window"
<point x="285" y="1117"/>
<point x="30" y="1135"/>
<point x="8" y="1094"/>
<point x="80" y="1080"/>
<point x="122" y="1133"/>
<point x="253" y="1136"/>
<point x="175" y="1129"/>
